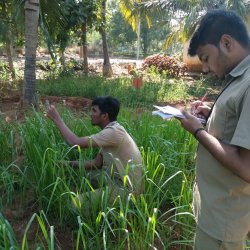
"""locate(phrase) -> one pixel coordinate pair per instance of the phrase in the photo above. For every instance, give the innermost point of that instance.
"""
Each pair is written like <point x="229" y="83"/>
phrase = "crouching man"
<point x="118" y="154"/>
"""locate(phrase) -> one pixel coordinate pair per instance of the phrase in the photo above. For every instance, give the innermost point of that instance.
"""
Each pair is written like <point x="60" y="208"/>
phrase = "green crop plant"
<point x="7" y="235"/>
<point x="33" y="166"/>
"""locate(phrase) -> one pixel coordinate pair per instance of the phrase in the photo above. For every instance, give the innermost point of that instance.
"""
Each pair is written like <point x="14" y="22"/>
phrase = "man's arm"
<point x="71" y="138"/>
<point x="234" y="158"/>
<point x="95" y="163"/>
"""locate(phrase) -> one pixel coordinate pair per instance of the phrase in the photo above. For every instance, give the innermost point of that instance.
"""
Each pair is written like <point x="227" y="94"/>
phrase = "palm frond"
<point x="188" y="13"/>
<point x="52" y="15"/>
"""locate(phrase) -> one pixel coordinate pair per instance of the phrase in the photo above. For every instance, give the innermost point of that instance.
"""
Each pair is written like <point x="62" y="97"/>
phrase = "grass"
<point x="158" y="218"/>
<point x="160" y="90"/>
<point x="7" y="235"/>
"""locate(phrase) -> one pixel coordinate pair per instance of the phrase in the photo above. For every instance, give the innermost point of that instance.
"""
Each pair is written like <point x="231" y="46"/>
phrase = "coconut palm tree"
<point x="51" y="16"/>
<point x="187" y="13"/>
<point x="133" y="13"/>
<point x="32" y="8"/>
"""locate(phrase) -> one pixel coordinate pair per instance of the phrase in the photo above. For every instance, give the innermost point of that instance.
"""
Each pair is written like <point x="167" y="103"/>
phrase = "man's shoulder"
<point x="111" y="135"/>
<point x="112" y="129"/>
<point x="115" y="126"/>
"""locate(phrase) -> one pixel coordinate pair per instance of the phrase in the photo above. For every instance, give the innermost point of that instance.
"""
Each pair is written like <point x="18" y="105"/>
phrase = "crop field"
<point x="38" y="190"/>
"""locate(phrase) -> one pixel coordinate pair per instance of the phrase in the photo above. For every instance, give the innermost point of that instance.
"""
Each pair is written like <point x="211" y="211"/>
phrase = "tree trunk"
<point x="106" y="69"/>
<point x="10" y="60"/>
<point x="138" y="38"/>
<point x="145" y="42"/>
<point x="62" y="59"/>
<point x="9" y="44"/>
<point x="84" y="46"/>
<point x="31" y="26"/>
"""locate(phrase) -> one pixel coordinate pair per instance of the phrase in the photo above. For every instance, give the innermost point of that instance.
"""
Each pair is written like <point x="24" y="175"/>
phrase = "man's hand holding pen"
<point x="199" y="109"/>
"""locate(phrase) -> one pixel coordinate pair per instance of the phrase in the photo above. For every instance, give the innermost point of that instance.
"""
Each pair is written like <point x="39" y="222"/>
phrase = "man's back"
<point x="120" y="150"/>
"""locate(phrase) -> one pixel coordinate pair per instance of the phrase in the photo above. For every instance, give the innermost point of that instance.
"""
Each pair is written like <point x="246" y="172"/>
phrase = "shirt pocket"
<point x="217" y="122"/>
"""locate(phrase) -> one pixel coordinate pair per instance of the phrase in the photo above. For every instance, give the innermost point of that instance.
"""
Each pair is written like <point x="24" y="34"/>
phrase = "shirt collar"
<point x="111" y="124"/>
<point x="241" y="68"/>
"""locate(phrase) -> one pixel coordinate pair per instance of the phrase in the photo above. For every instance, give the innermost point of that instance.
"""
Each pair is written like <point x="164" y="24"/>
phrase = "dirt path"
<point x="119" y="65"/>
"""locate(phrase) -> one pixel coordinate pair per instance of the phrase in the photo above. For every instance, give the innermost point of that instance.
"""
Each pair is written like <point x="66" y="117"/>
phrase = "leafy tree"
<point x="157" y="33"/>
<point x="122" y="37"/>
<point x="79" y="15"/>
<point x="120" y="33"/>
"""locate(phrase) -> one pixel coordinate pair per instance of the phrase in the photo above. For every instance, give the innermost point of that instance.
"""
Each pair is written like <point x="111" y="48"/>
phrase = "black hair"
<point x="216" y="23"/>
<point x="109" y="105"/>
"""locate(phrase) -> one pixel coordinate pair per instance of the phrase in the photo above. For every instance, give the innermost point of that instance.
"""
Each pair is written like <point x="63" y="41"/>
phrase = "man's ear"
<point x="105" y="115"/>
<point x="226" y="42"/>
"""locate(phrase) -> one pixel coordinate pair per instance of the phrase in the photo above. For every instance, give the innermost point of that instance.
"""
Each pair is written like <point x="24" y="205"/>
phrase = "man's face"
<point x="214" y="60"/>
<point x="96" y="115"/>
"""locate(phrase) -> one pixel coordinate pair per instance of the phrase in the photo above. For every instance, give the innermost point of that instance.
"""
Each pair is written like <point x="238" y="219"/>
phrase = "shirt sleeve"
<point x="241" y="135"/>
<point x="108" y="137"/>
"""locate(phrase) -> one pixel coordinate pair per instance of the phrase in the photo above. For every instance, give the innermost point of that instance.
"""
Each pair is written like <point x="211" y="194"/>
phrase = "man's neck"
<point x="241" y="55"/>
<point x="104" y="124"/>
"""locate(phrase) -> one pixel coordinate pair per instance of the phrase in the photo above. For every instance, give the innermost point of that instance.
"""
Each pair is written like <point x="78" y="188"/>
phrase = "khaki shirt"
<point x="120" y="151"/>
<point x="221" y="200"/>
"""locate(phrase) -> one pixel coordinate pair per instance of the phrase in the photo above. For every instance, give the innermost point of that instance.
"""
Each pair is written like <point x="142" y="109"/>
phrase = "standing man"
<point x="119" y="153"/>
<point x="221" y="197"/>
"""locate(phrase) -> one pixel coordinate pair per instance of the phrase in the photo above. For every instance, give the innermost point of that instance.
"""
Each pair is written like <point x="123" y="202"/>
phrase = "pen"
<point x="194" y="109"/>
<point x="203" y="98"/>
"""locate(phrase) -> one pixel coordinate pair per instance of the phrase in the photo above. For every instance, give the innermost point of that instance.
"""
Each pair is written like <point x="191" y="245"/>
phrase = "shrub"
<point x="164" y="63"/>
